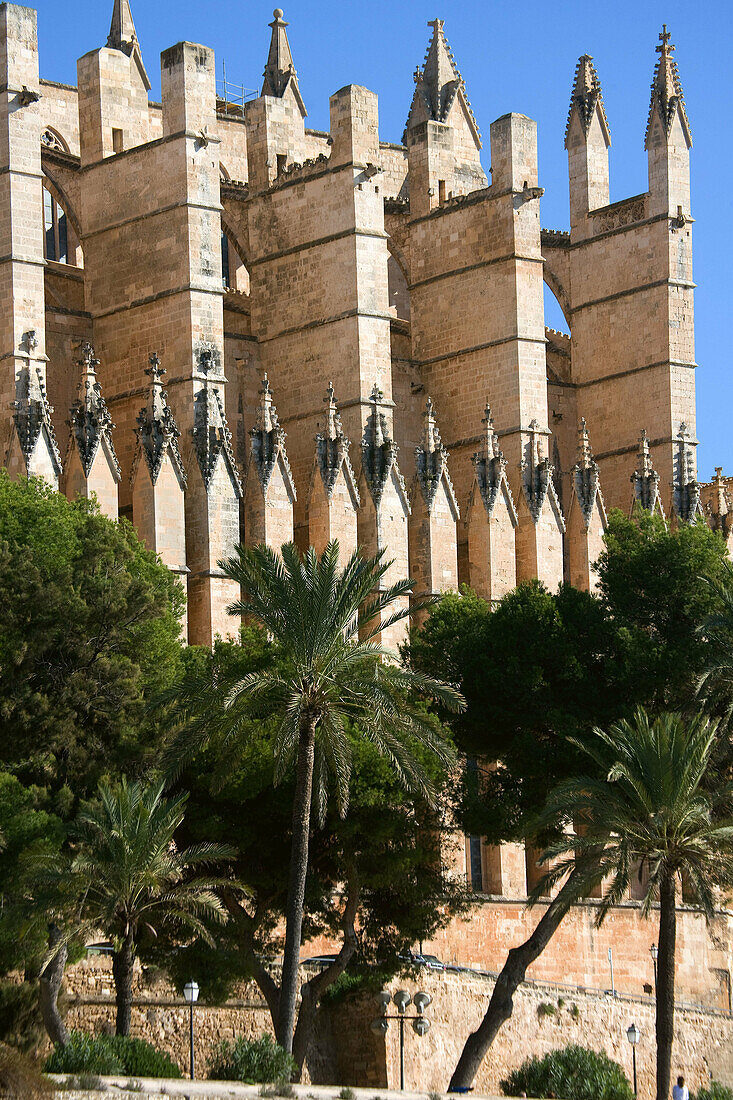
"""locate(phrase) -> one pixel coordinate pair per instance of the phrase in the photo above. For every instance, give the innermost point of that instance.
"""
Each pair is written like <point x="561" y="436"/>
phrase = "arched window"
<point x="56" y="230"/>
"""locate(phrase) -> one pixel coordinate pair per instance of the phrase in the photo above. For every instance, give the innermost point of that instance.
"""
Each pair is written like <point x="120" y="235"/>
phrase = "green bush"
<point x="254" y="1061"/>
<point x="715" y="1092"/>
<point x="570" y="1074"/>
<point x="113" y="1055"/>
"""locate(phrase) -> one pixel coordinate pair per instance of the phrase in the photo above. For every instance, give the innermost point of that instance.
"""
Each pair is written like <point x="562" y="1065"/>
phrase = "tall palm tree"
<point x="645" y="812"/>
<point x="330" y="674"/>
<point x="125" y="875"/>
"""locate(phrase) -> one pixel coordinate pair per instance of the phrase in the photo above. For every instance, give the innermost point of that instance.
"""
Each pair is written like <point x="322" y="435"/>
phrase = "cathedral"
<point x="230" y="327"/>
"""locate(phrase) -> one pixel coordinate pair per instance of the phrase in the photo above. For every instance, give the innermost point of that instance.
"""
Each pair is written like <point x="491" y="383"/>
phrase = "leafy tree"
<point x="541" y="670"/>
<point x="715" y="686"/>
<point x="88" y="629"/>
<point x="574" y="1073"/>
<point x="126" y="876"/>
<point x="643" y="806"/>
<point x="330" y="674"/>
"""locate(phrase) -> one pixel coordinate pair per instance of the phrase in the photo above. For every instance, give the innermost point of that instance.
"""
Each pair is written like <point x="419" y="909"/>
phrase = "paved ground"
<point x="226" y="1090"/>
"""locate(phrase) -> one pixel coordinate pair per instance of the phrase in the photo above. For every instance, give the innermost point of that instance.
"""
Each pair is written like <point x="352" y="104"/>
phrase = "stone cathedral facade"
<point x="231" y="327"/>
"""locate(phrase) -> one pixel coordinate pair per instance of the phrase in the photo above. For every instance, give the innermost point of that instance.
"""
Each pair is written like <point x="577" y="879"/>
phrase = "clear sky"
<point x="514" y="57"/>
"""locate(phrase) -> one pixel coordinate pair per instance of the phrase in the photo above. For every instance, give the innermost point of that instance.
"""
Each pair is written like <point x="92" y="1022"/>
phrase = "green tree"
<point x="645" y="813"/>
<point x="126" y="877"/>
<point x="330" y="674"/>
<point x="89" y="627"/>
<point x="374" y="884"/>
<point x="715" y="686"/>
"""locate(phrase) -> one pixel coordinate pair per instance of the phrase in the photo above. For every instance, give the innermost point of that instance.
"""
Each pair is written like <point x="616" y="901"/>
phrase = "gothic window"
<point x="475" y="870"/>
<point x="55" y="237"/>
<point x="51" y="139"/>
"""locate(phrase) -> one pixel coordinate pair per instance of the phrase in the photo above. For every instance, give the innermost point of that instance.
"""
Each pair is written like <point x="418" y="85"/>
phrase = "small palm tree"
<point x="125" y="875"/>
<point x="329" y="675"/>
<point x="645" y="812"/>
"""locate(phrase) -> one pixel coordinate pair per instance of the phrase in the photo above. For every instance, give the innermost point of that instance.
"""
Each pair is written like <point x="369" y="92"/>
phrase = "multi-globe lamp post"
<point x="191" y="995"/>
<point x="420" y="1025"/>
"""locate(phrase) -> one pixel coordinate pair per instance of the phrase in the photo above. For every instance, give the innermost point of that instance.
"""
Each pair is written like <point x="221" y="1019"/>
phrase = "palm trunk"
<point x="665" y="983"/>
<point x="296" y="884"/>
<point x="50" y="981"/>
<point x="122" y="967"/>
<point x="512" y="975"/>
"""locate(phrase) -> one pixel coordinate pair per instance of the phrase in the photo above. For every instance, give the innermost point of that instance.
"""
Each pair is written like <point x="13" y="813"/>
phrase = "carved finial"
<point x="432" y="461"/>
<point x="431" y="437"/>
<point x="585" y="455"/>
<point x="586" y="476"/>
<point x="537" y="474"/>
<point x="667" y="98"/>
<point x="123" y="36"/>
<point x="587" y="99"/>
<point x="91" y="423"/>
<point x="645" y="478"/>
<point x="333" y="421"/>
<point x="686" y="494"/>
<point x="378" y="449"/>
<point x="490" y="466"/>
<point x="280" y="71"/>
<point x="438" y="84"/>
<point x="332" y="449"/>
<point x="157" y="431"/>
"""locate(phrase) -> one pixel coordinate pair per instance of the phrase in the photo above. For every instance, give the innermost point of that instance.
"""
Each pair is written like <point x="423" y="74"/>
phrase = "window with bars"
<point x="56" y="244"/>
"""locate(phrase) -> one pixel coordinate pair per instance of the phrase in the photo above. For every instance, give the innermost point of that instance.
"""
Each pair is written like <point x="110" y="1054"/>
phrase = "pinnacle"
<point x="667" y="97"/>
<point x="333" y="420"/>
<point x="280" y="71"/>
<point x="431" y="436"/>
<point x="586" y="98"/>
<point x="266" y="412"/>
<point x="585" y="454"/>
<point x="123" y="36"/>
<point x="439" y="82"/>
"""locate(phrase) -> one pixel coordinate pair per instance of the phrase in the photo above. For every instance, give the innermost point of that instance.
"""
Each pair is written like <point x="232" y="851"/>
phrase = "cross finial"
<point x="155" y="370"/>
<point x="664" y="38"/>
<point x="87" y="358"/>
<point x="437" y="25"/>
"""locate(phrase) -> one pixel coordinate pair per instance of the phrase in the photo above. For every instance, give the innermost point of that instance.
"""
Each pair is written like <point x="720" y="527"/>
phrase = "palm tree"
<point x="125" y="875"/>
<point x="329" y="675"/>
<point x="645" y="812"/>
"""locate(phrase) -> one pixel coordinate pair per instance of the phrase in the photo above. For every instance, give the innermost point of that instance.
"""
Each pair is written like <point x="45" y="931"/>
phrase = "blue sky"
<point x="514" y="57"/>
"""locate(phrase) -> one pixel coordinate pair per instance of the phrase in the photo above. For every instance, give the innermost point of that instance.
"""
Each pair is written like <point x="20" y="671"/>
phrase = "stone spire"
<point x="211" y="435"/>
<point x="90" y="420"/>
<point x="280" y="71"/>
<point x="645" y="479"/>
<point x="123" y="36"/>
<point x="586" y="476"/>
<point x="537" y="477"/>
<point x="438" y="85"/>
<point x="667" y="98"/>
<point x="32" y="412"/>
<point x="685" y="488"/>
<point x="431" y="461"/>
<point x="268" y="442"/>
<point x="332" y="448"/>
<point x="379" y="451"/>
<point x="587" y="97"/>
<point x="157" y="430"/>
<point x="490" y="466"/>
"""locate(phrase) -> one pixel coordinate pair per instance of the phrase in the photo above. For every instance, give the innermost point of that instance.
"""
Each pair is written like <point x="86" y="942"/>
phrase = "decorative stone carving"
<point x="31" y="410"/>
<point x="645" y="479"/>
<point x="90" y="421"/>
<point x="685" y="488"/>
<point x="379" y="452"/>
<point x="332" y="450"/>
<point x="157" y="431"/>
<point x="537" y="480"/>
<point x="211" y="436"/>
<point x="431" y="462"/>
<point x="267" y="446"/>
<point x="490" y="466"/>
<point x="586" y="477"/>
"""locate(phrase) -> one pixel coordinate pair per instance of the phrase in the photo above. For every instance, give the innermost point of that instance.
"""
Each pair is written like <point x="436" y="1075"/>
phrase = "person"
<point x="680" y="1090"/>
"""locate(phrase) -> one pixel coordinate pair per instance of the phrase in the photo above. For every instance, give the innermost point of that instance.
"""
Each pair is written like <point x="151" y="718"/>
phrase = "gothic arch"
<point x="51" y="184"/>
<point x="558" y="290"/>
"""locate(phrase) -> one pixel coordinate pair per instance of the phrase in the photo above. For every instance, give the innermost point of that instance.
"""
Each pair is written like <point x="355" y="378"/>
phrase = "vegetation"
<point x="126" y="877"/>
<point x="253" y="1061"/>
<point x="329" y="677"/>
<point x="573" y="1073"/>
<point x="716" y="1091"/>
<point x="115" y="1055"/>
<point x="645" y="814"/>
<point x="20" y="1078"/>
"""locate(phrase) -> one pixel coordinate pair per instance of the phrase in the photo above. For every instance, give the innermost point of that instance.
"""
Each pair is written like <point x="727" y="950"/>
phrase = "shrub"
<point x="347" y="1093"/>
<point x="280" y="1088"/>
<point x="20" y="1078"/>
<point x="115" y="1055"/>
<point x="716" y="1091"/>
<point x="570" y="1074"/>
<point x="546" y="1009"/>
<point x="254" y="1061"/>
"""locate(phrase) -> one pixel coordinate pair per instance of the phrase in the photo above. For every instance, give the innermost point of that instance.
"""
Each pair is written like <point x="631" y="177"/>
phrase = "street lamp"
<point x="633" y="1035"/>
<point x="191" y="995"/>
<point x="420" y="1025"/>
<point x="654" y="952"/>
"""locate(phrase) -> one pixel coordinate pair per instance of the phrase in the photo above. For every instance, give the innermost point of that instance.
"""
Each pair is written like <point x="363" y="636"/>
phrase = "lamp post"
<point x="191" y="995"/>
<point x="654" y="952"/>
<point x="420" y="1025"/>
<point x="633" y="1035"/>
